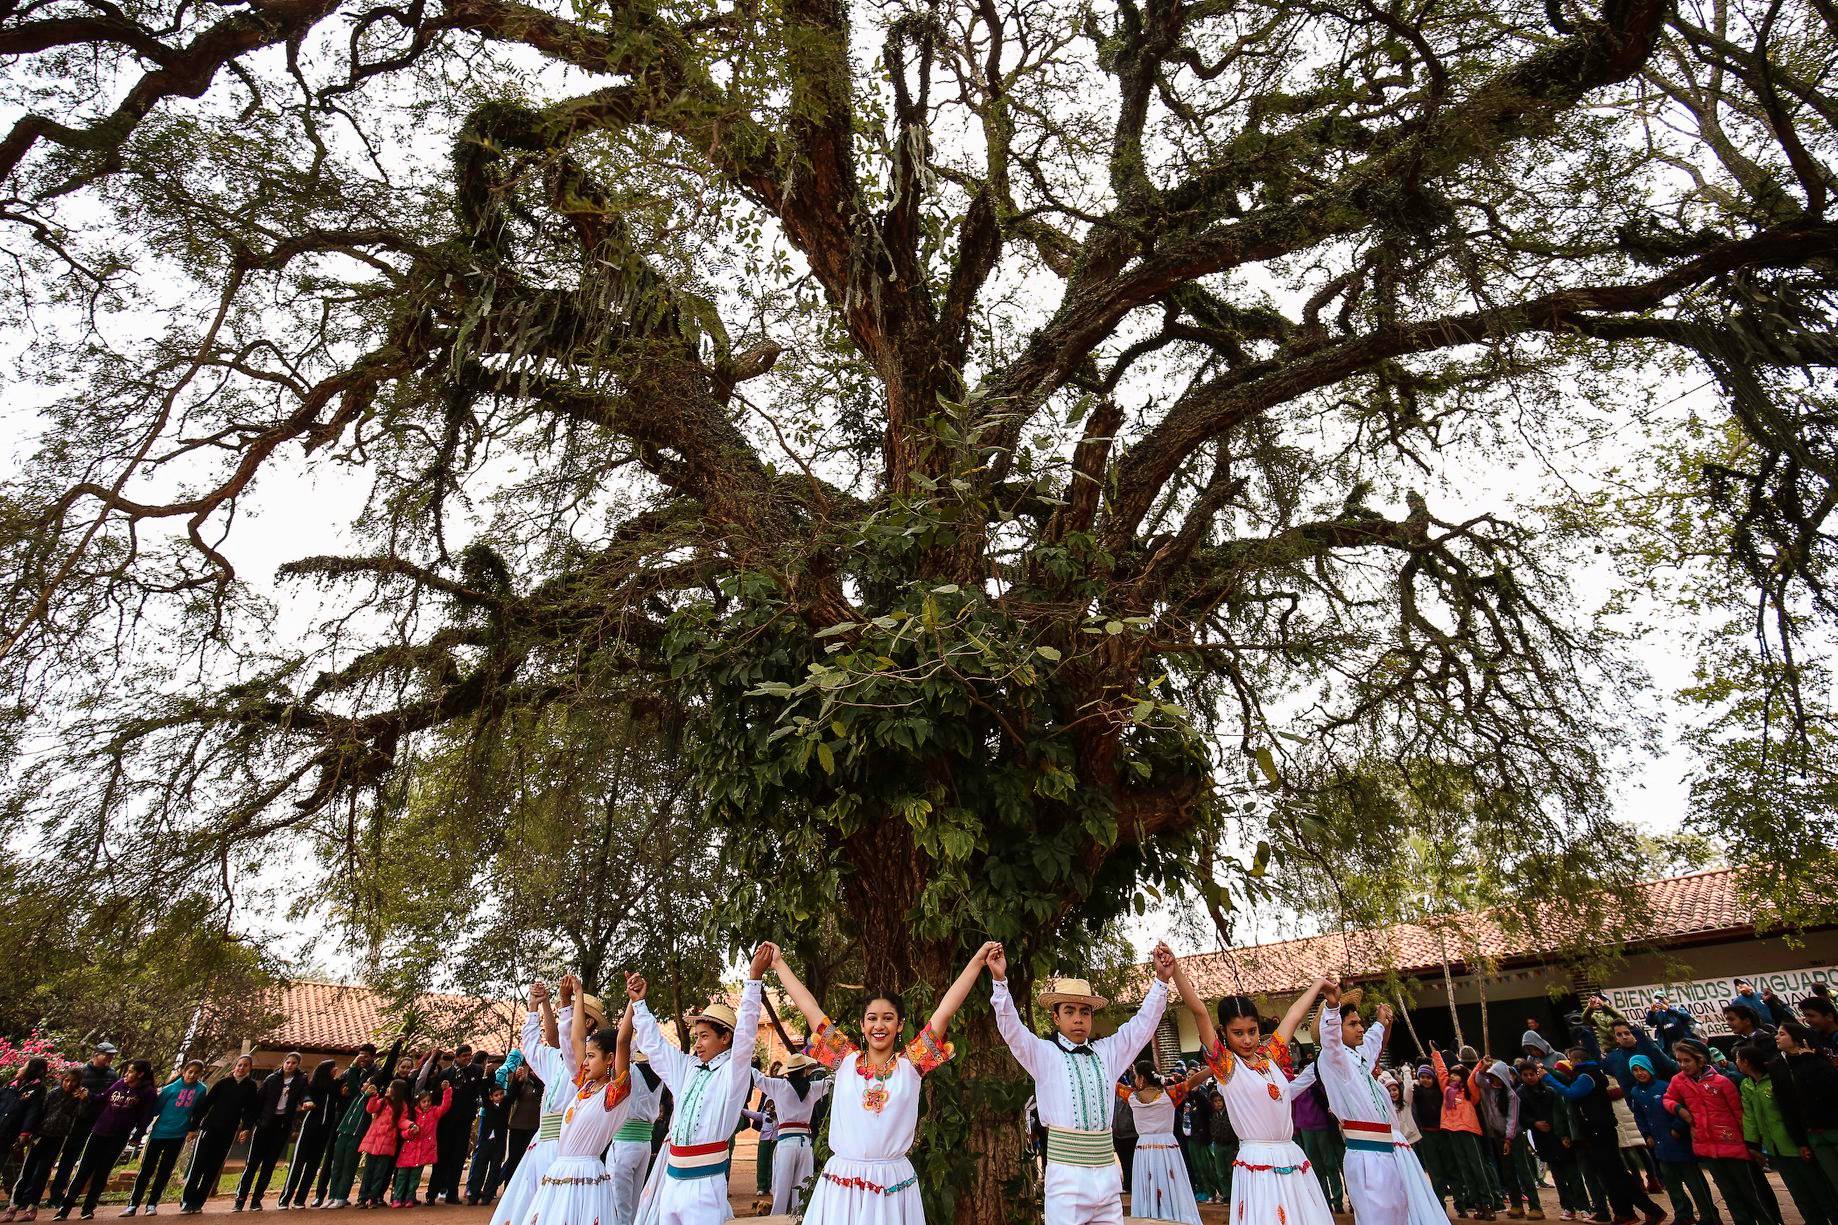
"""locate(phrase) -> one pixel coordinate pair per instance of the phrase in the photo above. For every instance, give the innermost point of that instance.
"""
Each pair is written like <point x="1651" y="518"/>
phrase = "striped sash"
<point x="698" y="1160"/>
<point x="795" y="1131"/>
<point x="1364" y="1137"/>
<point x="1070" y="1146"/>
<point x="633" y="1130"/>
<point x="549" y="1126"/>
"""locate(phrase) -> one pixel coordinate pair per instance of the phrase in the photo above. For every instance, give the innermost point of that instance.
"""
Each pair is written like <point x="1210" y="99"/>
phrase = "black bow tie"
<point x="1081" y="1049"/>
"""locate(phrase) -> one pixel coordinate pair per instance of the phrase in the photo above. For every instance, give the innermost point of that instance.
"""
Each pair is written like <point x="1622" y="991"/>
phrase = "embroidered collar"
<point x="1066" y="1044"/>
<point x="716" y="1062"/>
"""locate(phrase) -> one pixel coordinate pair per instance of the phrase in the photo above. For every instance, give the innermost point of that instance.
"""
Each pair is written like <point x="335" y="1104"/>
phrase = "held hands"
<point x="764" y="958"/>
<point x="635" y="987"/>
<point x="983" y="954"/>
<point x="996" y="958"/>
<point x="569" y="985"/>
<point x="1328" y="987"/>
<point x="1384" y="1015"/>
<point x="539" y="995"/>
<point x="1163" y="959"/>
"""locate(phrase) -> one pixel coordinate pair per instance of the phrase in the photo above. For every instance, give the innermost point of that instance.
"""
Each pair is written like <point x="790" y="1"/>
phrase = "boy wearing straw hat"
<point x="794" y="1097"/>
<point x="1073" y="1079"/>
<point x="711" y="1082"/>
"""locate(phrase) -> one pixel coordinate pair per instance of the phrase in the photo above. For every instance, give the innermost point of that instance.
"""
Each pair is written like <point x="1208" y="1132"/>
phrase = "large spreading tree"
<point x="989" y="430"/>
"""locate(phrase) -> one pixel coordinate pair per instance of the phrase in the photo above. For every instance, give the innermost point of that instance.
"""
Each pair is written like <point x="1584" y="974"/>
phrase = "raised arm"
<point x="1209" y="1037"/>
<point x="666" y="1060"/>
<point x="622" y="1051"/>
<point x="577" y="1027"/>
<point x="1299" y="1009"/>
<point x="1119" y="1050"/>
<point x="801" y="997"/>
<point x="1022" y="1044"/>
<point x="959" y="991"/>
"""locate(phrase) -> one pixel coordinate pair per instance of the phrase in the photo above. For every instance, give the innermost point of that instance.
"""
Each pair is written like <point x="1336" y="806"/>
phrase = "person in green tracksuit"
<point x="1764" y="1129"/>
<point x="341" y="1172"/>
<point x="1224" y="1146"/>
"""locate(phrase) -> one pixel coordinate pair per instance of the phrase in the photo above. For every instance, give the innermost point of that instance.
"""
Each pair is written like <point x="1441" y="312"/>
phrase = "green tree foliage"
<point x="160" y="982"/>
<point x="566" y="837"/>
<point x="989" y="427"/>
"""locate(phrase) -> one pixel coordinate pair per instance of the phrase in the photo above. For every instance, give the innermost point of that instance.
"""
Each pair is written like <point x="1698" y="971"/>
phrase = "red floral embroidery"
<point x="830" y="1046"/>
<point x="927" y="1052"/>
<point x="1276" y="1094"/>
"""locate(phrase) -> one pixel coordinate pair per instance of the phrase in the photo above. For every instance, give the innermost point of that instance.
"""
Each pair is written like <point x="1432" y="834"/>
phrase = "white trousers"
<point x="792" y="1165"/>
<point x="1391" y="1188"/>
<point x="689" y="1201"/>
<point x="628" y="1163"/>
<point x="1085" y="1194"/>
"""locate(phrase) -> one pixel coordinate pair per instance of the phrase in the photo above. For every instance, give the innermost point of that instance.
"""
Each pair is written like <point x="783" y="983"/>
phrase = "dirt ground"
<point x="744" y="1206"/>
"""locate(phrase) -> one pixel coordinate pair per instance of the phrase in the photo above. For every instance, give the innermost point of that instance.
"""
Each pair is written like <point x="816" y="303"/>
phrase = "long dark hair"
<point x="35" y="1069"/>
<point x="397" y="1097"/>
<point x="323" y="1080"/>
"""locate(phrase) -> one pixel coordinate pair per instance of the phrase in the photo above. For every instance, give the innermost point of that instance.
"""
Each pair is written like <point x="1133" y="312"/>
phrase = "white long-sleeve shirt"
<point x="786" y="1104"/>
<point x="1350" y="1074"/>
<point x="709" y="1096"/>
<point x="1077" y="1088"/>
<point x="551" y="1065"/>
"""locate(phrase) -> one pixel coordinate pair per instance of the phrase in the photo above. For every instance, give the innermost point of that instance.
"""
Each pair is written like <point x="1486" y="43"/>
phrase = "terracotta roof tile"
<point x="339" y="1017"/>
<point x="1672" y="909"/>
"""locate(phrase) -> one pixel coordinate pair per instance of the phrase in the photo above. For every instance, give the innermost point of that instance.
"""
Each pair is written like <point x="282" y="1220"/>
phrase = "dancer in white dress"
<point x="1159" y="1188"/>
<point x="1271" y="1180"/>
<point x="629" y="1159"/>
<point x="874" y="1109"/>
<point x="541" y="1045"/>
<point x="576" y="1189"/>
<point x="794" y="1097"/>
<point x="1384" y="1179"/>
<point x="711" y="1083"/>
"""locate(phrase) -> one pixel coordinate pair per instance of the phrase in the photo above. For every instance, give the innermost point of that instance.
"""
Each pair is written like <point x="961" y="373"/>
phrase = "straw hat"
<point x="595" y="1007"/>
<point x="1071" y="991"/>
<point x="798" y="1060"/>
<point x="718" y="1014"/>
<point x="1352" y="995"/>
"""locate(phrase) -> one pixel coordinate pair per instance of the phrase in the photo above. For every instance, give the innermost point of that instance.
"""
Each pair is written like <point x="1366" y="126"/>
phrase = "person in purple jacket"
<point x="128" y="1107"/>
<point x="1318" y="1132"/>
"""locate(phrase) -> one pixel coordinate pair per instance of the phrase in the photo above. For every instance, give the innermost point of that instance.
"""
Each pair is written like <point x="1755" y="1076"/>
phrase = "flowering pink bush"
<point x="37" y="1044"/>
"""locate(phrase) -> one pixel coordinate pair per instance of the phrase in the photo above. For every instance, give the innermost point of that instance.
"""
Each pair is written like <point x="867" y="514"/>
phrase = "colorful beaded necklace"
<point x="874" y="1097"/>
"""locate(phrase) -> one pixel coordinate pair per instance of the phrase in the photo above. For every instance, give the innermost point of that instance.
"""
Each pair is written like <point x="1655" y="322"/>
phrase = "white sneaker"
<point x="130" y="1210"/>
<point x="153" y="1209"/>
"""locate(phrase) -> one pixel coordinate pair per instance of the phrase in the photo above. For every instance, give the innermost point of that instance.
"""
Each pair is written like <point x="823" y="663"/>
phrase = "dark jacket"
<point x="1595" y="1112"/>
<point x="269" y="1110"/>
<point x="126" y="1109"/>
<point x="323" y="1092"/>
<point x="468" y="1087"/>
<point x="524" y="1103"/>
<point x="1670" y="1136"/>
<point x="1538" y="1104"/>
<point x="229" y="1107"/>
<point x="1664" y="1066"/>
<point x="20" y="1105"/>
<point x="62" y="1112"/>
<point x="98" y="1081"/>
<point x="1806" y="1090"/>
<point x="494" y="1119"/>
<point x="1669" y="1025"/>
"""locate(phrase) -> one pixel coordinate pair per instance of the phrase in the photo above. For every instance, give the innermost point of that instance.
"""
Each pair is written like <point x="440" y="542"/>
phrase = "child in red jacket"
<point x="1707" y="1100"/>
<point x="382" y="1139"/>
<point x="419" y="1147"/>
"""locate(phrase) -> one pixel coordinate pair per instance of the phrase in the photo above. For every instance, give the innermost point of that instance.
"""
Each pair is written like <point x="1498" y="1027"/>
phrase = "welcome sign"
<point x="1704" y="998"/>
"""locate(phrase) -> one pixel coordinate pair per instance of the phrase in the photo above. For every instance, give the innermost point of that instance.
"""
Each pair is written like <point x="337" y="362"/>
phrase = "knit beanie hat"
<point x="1641" y="1063"/>
<point x="1424" y="1069"/>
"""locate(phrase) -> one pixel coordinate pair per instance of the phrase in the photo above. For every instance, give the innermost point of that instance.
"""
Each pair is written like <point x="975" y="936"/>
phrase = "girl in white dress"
<point x="552" y="1063"/>
<point x="1271" y="1180"/>
<point x="576" y="1188"/>
<point x="874" y="1110"/>
<point x="1159" y="1189"/>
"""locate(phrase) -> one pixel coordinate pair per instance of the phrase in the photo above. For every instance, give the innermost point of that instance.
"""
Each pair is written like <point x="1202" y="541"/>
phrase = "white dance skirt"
<point x="522" y="1187"/>
<point x="574" y="1191"/>
<point x="1272" y="1182"/>
<point x="851" y="1192"/>
<point x="1159" y="1188"/>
